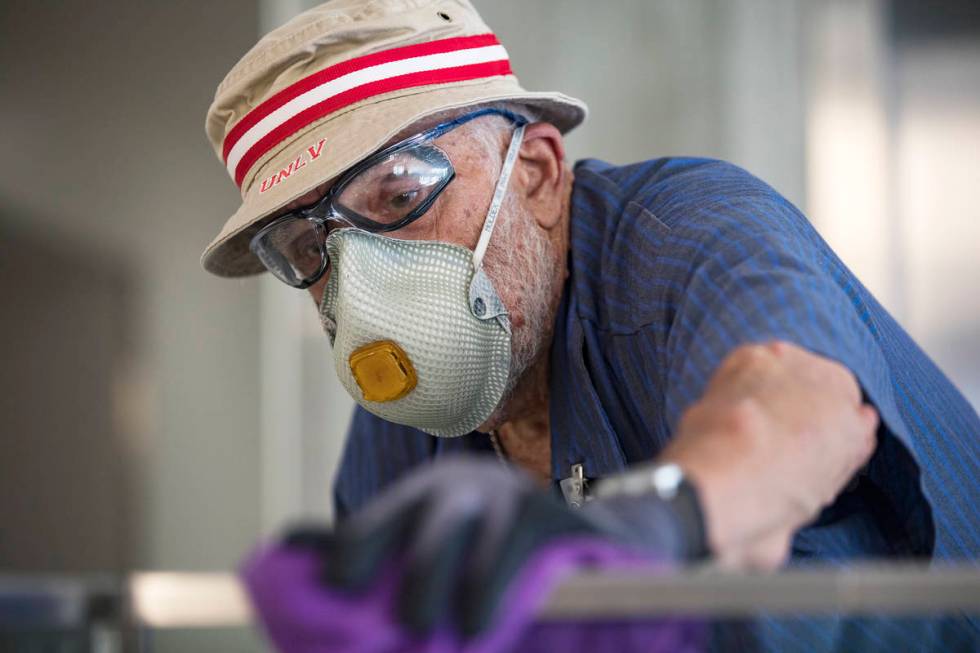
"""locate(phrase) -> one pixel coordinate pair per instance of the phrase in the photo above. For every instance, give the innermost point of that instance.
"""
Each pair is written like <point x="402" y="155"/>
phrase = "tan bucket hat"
<point x="336" y="83"/>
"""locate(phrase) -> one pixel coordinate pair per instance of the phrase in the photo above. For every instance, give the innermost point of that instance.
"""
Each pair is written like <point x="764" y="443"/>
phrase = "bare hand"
<point x="776" y="436"/>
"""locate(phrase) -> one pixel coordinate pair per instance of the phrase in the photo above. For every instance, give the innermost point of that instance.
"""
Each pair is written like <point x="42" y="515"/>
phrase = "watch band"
<point x="671" y="486"/>
<point x="690" y="517"/>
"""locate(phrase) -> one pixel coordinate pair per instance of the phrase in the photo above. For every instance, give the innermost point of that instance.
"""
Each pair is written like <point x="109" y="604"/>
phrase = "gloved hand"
<point x="461" y="528"/>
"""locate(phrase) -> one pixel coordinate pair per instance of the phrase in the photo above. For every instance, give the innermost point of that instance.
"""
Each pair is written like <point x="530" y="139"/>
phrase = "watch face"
<point x="666" y="479"/>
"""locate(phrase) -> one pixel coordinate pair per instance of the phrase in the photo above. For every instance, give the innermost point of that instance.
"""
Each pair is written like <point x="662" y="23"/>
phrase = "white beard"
<point x="520" y="262"/>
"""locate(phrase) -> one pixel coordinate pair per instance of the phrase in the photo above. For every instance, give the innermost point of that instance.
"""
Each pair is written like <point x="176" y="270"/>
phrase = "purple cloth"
<point x="300" y="615"/>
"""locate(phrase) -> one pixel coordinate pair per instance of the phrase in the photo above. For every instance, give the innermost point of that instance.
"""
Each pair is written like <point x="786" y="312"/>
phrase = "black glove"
<point x="462" y="528"/>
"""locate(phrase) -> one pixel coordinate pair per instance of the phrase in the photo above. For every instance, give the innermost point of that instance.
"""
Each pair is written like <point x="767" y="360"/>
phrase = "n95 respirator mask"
<point x="420" y="336"/>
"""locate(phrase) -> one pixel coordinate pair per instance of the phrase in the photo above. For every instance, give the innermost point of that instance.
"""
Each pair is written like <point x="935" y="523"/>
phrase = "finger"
<point x="763" y="553"/>
<point x="856" y="442"/>
<point x="309" y="536"/>
<point x="744" y="364"/>
<point x="772" y="553"/>
<point x="444" y="544"/>
<point x="871" y="423"/>
<point x="430" y="581"/>
<point x="864" y="438"/>
<point x="540" y="519"/>
<point x="769" y="553"/>
<point x="867" y="441"/>
<point x="356" y="554"/>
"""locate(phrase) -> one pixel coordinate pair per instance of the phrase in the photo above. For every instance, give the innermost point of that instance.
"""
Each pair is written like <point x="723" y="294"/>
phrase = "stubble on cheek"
<point x="520" y="262"/>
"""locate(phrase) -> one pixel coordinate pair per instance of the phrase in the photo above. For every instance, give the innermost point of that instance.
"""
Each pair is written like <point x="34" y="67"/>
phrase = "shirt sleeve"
<point x="758" y="273"/>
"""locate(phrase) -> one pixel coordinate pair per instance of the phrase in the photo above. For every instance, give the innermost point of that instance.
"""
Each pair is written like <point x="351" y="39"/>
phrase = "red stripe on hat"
<point x="346" y="67"/>
<point x="328" y="106"/>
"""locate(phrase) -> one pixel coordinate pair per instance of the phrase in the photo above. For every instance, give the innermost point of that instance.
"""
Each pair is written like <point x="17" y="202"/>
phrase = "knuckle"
<point x="743" y="416"/>
<point x="772" y="554"/>
<point x="754" y="353"/>
<point x="841" y="377"/>
<point x="698" y="416"/>
<point x="870" y="439"/>
<point x="748" y="356"/>
<point x="692" y="414"/>
<point x="728" y="365"/>
<point x="779" y="348"/>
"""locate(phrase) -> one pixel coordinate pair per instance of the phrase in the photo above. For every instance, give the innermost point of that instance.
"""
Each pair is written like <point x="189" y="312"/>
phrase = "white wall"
<point x="893" y="168"/>
<point x="937" y="195"/>
<point x="102" y="149"/>
<point x="718" y="78"/>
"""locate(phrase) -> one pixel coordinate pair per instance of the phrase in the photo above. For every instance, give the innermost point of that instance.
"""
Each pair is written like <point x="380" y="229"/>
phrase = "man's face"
<point x="522" y="259"/>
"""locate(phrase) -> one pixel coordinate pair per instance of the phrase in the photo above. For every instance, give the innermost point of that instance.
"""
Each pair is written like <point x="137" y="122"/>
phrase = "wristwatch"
<point x="670" y="485"/>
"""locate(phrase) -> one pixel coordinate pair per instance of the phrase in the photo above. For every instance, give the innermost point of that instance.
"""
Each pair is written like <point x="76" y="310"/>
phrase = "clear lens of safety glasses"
<point x="395" y="189"/>
<point x="385" y="192"/>
<point x="292" y="249"/>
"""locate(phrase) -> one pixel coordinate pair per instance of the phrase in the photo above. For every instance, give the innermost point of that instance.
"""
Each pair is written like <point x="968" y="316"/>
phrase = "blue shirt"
<point x="673" y="264"/>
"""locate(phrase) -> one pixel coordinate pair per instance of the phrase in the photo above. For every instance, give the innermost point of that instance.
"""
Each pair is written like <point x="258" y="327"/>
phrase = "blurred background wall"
<point x="130" y="383"/>
<point x="157" y="417"/>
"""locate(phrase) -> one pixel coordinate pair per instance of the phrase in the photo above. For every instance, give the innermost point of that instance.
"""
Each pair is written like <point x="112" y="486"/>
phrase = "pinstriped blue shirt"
<point x="673" y="264"/>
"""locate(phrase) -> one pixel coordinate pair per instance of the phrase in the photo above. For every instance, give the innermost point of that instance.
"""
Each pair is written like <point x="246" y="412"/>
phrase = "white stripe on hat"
<point x="352" y="80"/>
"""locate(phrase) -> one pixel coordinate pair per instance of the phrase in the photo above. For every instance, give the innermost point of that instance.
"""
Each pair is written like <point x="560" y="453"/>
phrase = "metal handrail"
<point x="189" y="600"/>
<point x="906" y="590"/>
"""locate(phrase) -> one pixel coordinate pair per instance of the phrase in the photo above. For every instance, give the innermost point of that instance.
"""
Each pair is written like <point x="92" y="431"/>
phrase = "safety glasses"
<point x="383" y="193"/>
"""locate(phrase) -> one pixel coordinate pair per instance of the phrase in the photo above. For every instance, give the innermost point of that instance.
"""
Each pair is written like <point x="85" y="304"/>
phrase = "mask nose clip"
<point x="383" y="371"/>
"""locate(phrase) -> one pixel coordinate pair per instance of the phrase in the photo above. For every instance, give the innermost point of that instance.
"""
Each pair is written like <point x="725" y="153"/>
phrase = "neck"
<point x="530" y="399"/>
<point x="526" y="435"/>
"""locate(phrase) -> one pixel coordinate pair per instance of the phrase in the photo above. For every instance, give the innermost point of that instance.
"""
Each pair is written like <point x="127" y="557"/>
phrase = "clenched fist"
<point x="777" y="435"/>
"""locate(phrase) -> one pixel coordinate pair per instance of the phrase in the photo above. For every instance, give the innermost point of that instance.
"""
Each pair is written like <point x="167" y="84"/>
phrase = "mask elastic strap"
<point x="498" y="197"/>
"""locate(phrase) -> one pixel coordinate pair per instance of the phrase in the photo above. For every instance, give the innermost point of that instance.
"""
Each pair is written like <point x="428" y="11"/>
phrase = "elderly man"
<point x="668" y="346"/>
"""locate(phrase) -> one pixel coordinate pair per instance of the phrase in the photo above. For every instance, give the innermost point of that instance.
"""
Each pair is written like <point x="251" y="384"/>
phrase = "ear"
<point x="542" y="171"/>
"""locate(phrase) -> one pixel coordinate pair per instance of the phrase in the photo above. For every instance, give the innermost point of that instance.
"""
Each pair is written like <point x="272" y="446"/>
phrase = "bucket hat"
<point x="337" y="82"/>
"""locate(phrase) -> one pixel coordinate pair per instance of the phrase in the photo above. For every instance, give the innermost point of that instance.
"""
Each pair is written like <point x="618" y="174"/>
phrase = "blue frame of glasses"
<point x="326" y="209"/>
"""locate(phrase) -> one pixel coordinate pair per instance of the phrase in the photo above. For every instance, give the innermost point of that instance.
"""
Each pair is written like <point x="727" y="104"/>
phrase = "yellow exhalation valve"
<point x="383" y="371"/>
